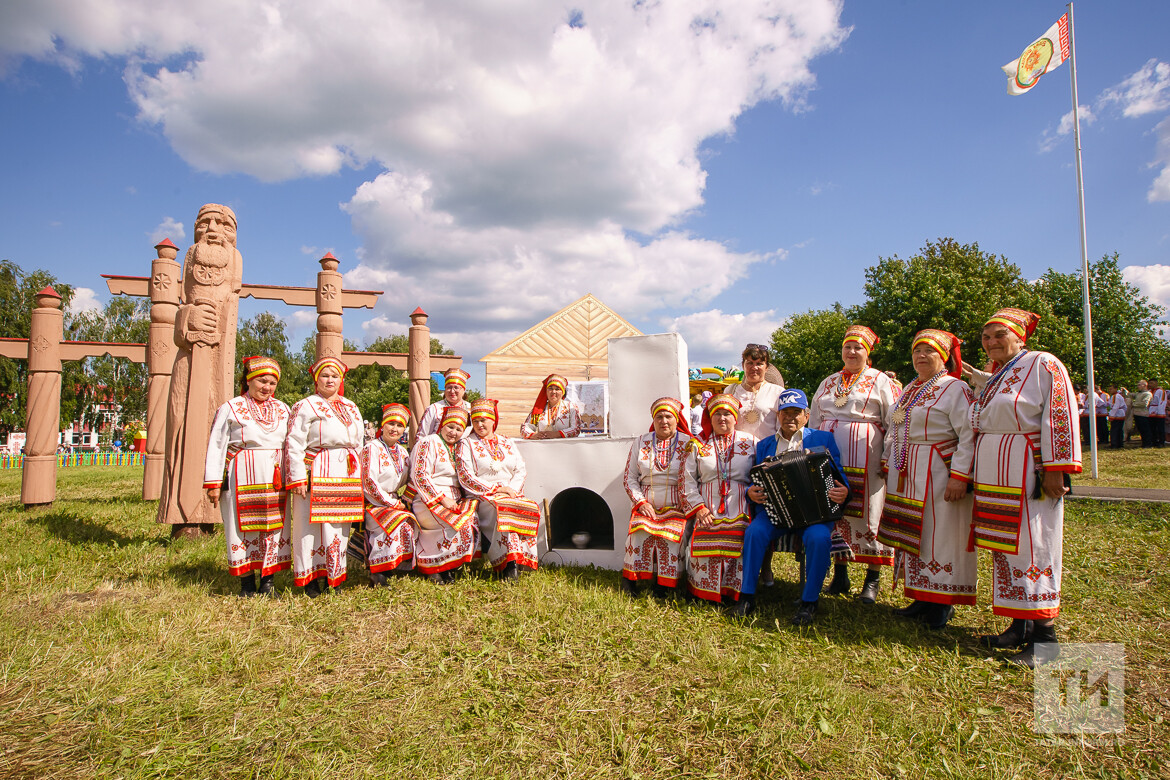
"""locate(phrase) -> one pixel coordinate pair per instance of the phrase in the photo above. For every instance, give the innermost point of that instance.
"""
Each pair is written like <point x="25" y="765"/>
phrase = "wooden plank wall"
<point x="515" y="385"/>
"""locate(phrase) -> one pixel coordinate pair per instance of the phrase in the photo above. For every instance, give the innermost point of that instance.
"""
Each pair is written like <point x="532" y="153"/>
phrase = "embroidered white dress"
<point x="323" y="451"/>
<point x="654" y="477"/>
<point x="716" y="475"/>
<point x="763" y="403"/>
<point x="391" y="529"/>
<point x="429" y="422"/>
<point x="1025" y="419"/>
<point x="565" y="419"/>
<point x="934" y="443"/>
<point x="245" y="445"/>
<point x="510" y="523"/>
<point x="447" y="539"/>
<point x="858" y="429"/>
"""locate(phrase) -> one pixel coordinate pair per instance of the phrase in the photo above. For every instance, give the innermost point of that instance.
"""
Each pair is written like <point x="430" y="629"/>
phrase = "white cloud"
<point x="1152" y="280"/>
<point x="1050" y="138"/>
<point x="1160" y="189"/>
<point x="1144" y="92"/>
<point x="715" y="338"/>
<point x="84" y="299"/>
<point x="169" y="228"/>
<point x="302" y="317"/>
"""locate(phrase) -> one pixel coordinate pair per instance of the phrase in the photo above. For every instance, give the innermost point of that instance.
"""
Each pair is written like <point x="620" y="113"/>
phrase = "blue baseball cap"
<point x="792" y="399"/>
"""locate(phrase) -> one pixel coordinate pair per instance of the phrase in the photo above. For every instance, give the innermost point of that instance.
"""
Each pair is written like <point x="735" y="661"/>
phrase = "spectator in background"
<point x="1117" y="411"/>
<point x="1157" y="414"/>
<point x="1139" y="406"/>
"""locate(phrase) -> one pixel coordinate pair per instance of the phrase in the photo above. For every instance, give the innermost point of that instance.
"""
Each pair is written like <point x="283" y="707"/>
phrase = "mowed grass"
<point x="1129" y="467"/>
<point x="125" y="654"/>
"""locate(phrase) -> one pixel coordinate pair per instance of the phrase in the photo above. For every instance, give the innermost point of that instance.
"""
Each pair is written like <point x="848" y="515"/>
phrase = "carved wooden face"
<point x="215" y="228"/>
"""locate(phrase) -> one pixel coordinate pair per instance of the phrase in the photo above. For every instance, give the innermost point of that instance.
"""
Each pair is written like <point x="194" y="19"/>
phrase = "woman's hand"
<point x="300" y="490"/>
<point x="955" y="490"/>
<point x="703" y="518"/>
<point x="507" y="492"/>
<point x="1053" y="486"/>
<point x="838" y="493"/>
<point x="449" y="503"/>
<point x="213" y="496"/>
<point x="756" y="494"/>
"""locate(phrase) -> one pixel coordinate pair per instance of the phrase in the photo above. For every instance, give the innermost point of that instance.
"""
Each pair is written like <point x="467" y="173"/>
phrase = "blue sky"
<point x="710" y="168"/>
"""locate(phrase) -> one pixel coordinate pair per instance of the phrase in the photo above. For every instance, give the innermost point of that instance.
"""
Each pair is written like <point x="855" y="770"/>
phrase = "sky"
<point x="703" y="167"/>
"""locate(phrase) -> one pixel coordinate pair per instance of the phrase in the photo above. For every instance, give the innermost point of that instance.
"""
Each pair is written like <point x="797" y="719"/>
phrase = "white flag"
<point x="1042" y="55"/>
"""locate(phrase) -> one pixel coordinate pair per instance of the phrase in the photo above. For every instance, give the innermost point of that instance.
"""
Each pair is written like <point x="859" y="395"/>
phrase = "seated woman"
<point x="715" y="483"/>
<point x="391" y="529"/>
<point x="552" y="416"/>
<point x="491" y="469"/>
<point x="653" y="481"/>
<point x="448" y="536"/>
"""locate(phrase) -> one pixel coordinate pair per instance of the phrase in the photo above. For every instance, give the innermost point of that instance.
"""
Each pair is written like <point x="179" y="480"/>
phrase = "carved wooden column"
<point x="38" y="483"/>
<point x="418" y="367"/>
<point x="329" y="340"/>
<point x="165" y="282"/>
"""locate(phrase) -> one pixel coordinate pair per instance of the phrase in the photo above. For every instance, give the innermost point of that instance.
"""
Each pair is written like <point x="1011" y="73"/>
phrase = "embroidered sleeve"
<point x="529" y="426"/>
<point x="885" y="394"/>
<point x="632" y="480"/>
<point x="371" y="470"/>
<point x="1060" y="440"/>
<point x="468" y="472"/>
<point x="428" y="424"/>
<point x="420" y="472"/>
<point x="574" y="428"/>
<point x="814" y="412"/>
<point x="691" y="497"/>
<point x="960" y="399"/>
<point x="299" y="422"/>
<point x="217" y="444"/>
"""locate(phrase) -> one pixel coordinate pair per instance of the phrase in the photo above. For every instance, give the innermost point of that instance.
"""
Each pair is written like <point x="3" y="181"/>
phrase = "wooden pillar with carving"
<point x="329" y="340"/>
<point x="38" y="484"/>
<point x="418" y="367"/>
<point x="165" y="283"/>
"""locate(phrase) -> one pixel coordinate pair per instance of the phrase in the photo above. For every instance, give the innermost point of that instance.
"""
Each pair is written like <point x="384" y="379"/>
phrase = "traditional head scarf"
<point x="542" y="397"/>
<point x="715" y="403"/>
<point x="396" y="413"/>
<point x="255" y="366"/>
<point x="456" y="376"/>
<point x="454" y="414"/>
<point x="945" y="344"/>
<point x="486" y="407"/>
<point x="863" y="336"/>
<point x="329" y="362"/>
<point x="1020" y="322"/>
<point x="675" y="407"/>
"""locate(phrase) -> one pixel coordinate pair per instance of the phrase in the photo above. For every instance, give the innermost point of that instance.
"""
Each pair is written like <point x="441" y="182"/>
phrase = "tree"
<point x="807" y="347"/>
<point x="110" y="380"/>
<point x="1127" y="343"/>
<point x="372" y="387"/>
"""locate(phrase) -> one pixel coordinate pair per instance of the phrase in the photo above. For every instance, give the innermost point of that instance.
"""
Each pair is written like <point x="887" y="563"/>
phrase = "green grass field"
<point x="1129" y="467"/>
<point x="127" y="655"/>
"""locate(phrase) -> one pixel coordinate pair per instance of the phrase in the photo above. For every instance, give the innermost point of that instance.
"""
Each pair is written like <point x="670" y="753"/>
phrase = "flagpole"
<point x="1091" y="389"/>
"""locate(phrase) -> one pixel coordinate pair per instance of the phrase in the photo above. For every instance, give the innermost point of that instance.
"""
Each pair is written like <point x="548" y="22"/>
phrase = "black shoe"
<point x="871" y="586"/>
<point x="439" y="578"/>
<point x="266" y="587"/>
<point x="806" y="613"/>
<point x="1043" y="648"/>
<point x="661" y="591"/>
<point x="313" y="588"/>
<point x="937" y="616"/>
<point x="745" y="606"/>
<point x="629" y="587"/>
<point x="840" y="583"/>
<point x="914" y="610"/>
<point x="378" y="580"/>
<point x="247" y="586"/>
<point x="1017" y="634"/>
<point x="509" y="574"/>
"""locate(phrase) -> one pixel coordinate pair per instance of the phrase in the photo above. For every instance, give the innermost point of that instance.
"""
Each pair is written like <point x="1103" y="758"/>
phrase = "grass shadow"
<point x="74" y="528"/>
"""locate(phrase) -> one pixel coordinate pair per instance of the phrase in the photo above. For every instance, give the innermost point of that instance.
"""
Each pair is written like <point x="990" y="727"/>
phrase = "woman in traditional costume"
<point x="552" y="416"/>
<point x="757" y="396"/>
<point x="852" y="404"/>
<point x="653" y="481"/>
<point x="454" y="388"/>
<point x="929" y="447"/>
<point x="391" y="529"/>
<point x="1025" y="423"/>
<point x="448" y="536"/>
<point x="716" y="482"/>
<point x="323" y="462"/>
<point x="491" y="469"/>
<point x="243" y="477"/>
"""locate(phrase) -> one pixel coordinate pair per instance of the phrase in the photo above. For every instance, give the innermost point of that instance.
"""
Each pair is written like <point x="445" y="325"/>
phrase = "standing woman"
<point x="491" y="469"/>
<point x="322" y="459"/>
<point x="1026" y="443"/>
<point x="653" y="481"/>
<point x="391" y="529"/>
<point x="928" y="452"/>
<point x="454" y="388"/>
<point x="552" y="416"/>
<point x="242" y="477"/>
<point x="448" y="536"/>
<point x="715" y="481"/>
<point x="853" y="404"/>
<point x="757" y="397"/>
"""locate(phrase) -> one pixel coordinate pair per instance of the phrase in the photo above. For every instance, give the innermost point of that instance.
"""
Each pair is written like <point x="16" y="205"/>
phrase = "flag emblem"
<point x="1042" y="55"/>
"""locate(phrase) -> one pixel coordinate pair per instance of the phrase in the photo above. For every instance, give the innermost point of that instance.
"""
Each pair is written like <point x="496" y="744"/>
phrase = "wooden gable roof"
<point x="578" y="334"/>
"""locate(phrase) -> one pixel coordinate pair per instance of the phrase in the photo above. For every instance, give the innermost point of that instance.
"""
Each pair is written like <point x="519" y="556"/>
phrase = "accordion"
<point x="796" y="488"/>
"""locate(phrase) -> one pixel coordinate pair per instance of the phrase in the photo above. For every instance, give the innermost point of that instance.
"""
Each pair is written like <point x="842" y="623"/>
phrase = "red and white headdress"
<point x="255" y="366"/>
<point x="486" y="408"/>
<point x="454" y="414"/>
<point x="329" y="362"/>
<point x="542" y="397"/>
<point x="395" y="413"/>
<point x="945" y="344"/>
<point x="1018" y="321"/>
<point x="675" y="407"/>
<point x="456" y="376"/>
<point x="863" y="336"/>
<point x="715" y="403"/>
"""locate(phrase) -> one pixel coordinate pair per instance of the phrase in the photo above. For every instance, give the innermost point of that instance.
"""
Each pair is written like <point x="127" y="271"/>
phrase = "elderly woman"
<point x="929" y="448"/>
<point x="716" y="481"/>
<point x="448" y="536"/>
<point x="552" y="416"/>
<point x="852" y="404"/>
<point x="1025" y="424"/>
<point x="242" y="476"/>
<point x="391" y="529"/>
<point x="454" y="388"/>
<point x="653" y="481"/>
<point x="323" y="463"/>
<point x="491" y="469"/>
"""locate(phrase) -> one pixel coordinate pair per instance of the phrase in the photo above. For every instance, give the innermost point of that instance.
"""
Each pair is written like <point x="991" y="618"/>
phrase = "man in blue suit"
<point x="791" y="435"/>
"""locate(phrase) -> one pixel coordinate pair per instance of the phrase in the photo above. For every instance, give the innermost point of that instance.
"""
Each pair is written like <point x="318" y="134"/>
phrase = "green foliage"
<point x="807" y="348"/>
<point x="1127" y="328"/>
<point x="109" y="379"/>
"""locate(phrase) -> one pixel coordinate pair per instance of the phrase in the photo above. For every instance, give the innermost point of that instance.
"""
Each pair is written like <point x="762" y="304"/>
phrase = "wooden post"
<point x="165" y="283"/>
<point x="329" y="339"/>
<point x="418" y="368"/>
<point x="38" y="483"/>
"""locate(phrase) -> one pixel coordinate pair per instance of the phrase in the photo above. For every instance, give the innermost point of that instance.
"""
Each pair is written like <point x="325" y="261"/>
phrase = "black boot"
<point x="266" y="587"/>
<point x="1018" y="633"/>
<point x="378" y="580"/>
<point x="661" y="591"/>
<point x="1042" y="648"/>
<point x="745" y="606"/>
<point x="313" y="588"/>
<point x="247" y="586"/>
<point x="915" y="610"/>
<point x="629" y="587"/>
<point x="806" y="613"/>
<point x="871" y="586"/>
<point x="840" y="582"/>
<point x="937" y="616"/>
<point x="510" y="574"/>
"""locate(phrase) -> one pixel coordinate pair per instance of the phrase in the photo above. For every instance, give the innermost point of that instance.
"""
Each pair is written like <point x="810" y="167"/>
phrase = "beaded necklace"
<point x="263" y="413"/>
<point x="841" y="392"/>
<point x="991" y="388"/>
<point x="915" y="395"/>
<point x="723" y="452"/>
<point x="495" y="451"/>
<point x="663" y="452"/>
